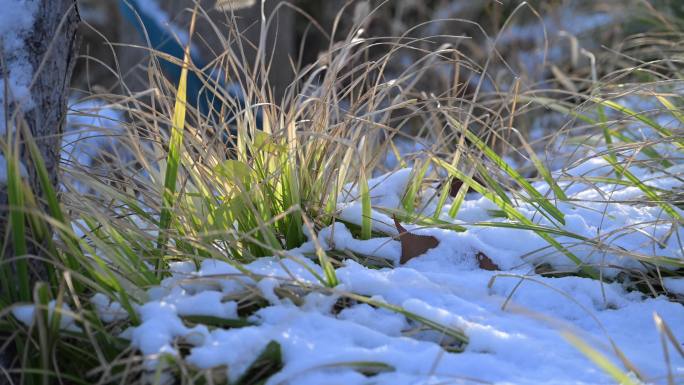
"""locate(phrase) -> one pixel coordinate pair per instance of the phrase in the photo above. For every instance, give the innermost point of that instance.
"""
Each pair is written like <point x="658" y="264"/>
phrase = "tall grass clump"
<point x="246" y="180"/>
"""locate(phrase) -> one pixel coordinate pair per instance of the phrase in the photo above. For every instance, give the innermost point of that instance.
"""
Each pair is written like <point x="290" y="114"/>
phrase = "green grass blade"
<point x="173" y="158"/>
<point x="458" y="200"/>
<point x="366" y="215"/>
<point x="444" y="192"/>
<point x="18" y="224"/>
<point x="512" y="213"/>
<point x="559" y="107"/>
<point x="492" y="184"/>
<point x="53" y="205"/>
<point x="536" y="197"/>
<point x="293" y="189"/>
<point x="541" y="169"/>
<point x="664" y="132"/>
<point x="647" y="190"/>
<point x="323" y="260"/>
<point x="421" y="220"/>
<point x="409" y="199"/>
<point x="674" y="110"/>
<point x="607" y="137"/>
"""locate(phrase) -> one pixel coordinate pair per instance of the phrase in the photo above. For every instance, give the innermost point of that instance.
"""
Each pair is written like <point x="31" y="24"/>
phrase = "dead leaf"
<point x="485" y="262"/>
<point x="413" y="245"/>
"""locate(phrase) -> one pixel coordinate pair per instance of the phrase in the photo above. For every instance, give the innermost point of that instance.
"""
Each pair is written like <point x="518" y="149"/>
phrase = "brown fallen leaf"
<point x="413" y="245"/>
<point x="485" y="262"/>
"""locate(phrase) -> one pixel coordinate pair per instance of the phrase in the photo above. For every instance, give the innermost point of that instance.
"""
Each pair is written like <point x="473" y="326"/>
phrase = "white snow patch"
<point x="108" y="311"/>
<point x="520" y="344"/>
<point x="674" y="285"/>
<point x="93" y="127"/>
<point x="26" y="313"/>
<point x="338" y="237"/>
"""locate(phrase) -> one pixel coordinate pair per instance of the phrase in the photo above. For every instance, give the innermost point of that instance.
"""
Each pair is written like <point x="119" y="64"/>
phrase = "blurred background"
<point x="492" y="47"/>
<point x="534" y="42"/>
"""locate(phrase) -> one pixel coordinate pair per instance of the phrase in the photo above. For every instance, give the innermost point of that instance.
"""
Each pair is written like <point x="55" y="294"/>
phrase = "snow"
<point x="154" y="337"/>
<point x="25" y="314"/>
<point x="515" y="345"/>
<point x="515" y="320"/>
<point x="108" y="311"/>
<point x="16" y="21"/>
<point x="92" y="128"/>
<point x="674" y="285"/>
<point x="338" y="237"/>
<point x="95" y="139"/>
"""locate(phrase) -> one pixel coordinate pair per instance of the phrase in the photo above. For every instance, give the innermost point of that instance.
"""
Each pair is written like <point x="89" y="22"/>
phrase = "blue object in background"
<point x="162" y="40"/>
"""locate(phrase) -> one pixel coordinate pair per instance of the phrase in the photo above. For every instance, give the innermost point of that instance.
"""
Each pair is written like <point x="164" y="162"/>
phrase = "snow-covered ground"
<point x="515" y="319"/>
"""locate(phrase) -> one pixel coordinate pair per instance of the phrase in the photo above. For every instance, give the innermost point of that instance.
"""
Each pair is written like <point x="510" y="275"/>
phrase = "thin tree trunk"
<point x="51" y="47"/>
<point x="54" y="50"/>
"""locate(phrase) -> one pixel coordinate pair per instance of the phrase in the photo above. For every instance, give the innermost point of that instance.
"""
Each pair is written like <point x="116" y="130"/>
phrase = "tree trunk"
<point x="53" y="53"/>
<point x="51" y="47"/>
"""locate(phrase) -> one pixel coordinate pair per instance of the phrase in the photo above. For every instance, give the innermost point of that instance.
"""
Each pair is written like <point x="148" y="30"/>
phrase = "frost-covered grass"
<point x="189" y="250"/>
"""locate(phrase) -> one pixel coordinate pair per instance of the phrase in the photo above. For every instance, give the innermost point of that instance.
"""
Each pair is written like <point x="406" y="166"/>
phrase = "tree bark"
<point x="53" y="56"/>
<point x="51" y="46"/>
